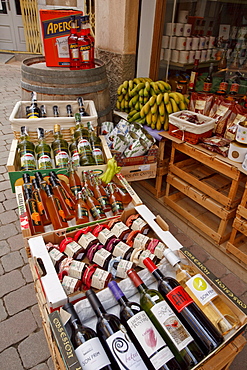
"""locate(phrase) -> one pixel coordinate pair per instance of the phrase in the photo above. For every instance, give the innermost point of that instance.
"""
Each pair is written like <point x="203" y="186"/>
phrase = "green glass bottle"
<point x="26" y="151"/>
<point x="80" y="130"/>
<point x="60" y="149"/>
<point x="43" y="151"/>
<point x="75" y="158"/>
<point x="93" y="137"/>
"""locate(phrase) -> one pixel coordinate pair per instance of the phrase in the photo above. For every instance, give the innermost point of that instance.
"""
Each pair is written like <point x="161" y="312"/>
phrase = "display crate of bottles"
<point x="18" y="118"/>
<point x="218" y="359"/>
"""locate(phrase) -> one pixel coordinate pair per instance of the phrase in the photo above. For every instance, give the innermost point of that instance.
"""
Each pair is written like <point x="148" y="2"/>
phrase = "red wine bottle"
<point x="199" y="326"/>
<point x="113" y="335"/>
<point x="149" y="343"/>
<point x="87" y="345"/>
<point x="179" y="340"/>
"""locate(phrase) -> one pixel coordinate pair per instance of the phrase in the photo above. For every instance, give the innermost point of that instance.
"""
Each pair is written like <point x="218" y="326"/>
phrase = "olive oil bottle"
<point x="26" y="151"/>
<point x="43" y="151"/>
<point x="60" y="149"/>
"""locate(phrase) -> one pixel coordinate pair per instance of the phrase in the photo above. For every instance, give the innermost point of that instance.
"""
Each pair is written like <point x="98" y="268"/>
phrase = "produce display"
<point x="149" y="102"/>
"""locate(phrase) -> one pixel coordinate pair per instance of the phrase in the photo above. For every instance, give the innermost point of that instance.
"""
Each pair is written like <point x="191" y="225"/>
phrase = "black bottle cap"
<point x="48" y="189"/>
<point x="26" y="177"/>
<point x="35" y="183"/>
<point x="27" y="193"/>
<point x="53" y="181"/>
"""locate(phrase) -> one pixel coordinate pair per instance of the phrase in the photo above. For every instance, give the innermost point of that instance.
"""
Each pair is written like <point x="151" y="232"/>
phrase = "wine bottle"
<point x="203" y="294"/>
<point x="115" y="199"/>
<point x="74" y="54"/>
<point x="75" y="158"/>
<point x="93" y="205"/>
<point x="81" y="210"/>
<point x="33" y="111"/>
<point x="149" y="343"/>
<point x="88" y="348"/>
<point x="193" y="76"/>
<point x="43" y="151"/>
<point x="198" y="325"/>
<point x="60" y="148"/>
<point x="99" y="192"/>
<point x="26" y="151"/>
<point x="55" y="209"/>
<point x="82" y="110"/>
<point x="69" y="110"/>
<point x="74" y="180"/>
<point x="64" y="185"/>
<point x="113" y="336"/>
<point x="35" y="223"/>
<point x="55" y="111"/>
<point x="65" y="202"/>
<point x="179" y="340"/>
<point x="209" y="79"/>
<point x="84" y="44"/>
<point x="91" y="38"/>
<point x="40" y="196"/>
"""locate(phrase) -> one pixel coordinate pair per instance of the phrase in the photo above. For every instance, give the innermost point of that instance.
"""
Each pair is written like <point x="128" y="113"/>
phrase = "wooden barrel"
<point x="53" y="83"/>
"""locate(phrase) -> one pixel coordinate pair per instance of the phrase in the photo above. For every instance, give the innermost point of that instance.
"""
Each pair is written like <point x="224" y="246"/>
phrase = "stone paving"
<point x="22" y="341"/>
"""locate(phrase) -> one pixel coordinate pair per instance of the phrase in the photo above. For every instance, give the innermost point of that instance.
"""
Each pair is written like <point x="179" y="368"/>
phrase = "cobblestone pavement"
<point x="22" y="340"/>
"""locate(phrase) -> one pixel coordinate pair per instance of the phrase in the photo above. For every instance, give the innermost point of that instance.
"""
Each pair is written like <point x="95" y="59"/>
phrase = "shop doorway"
<point x="12" y="35"/>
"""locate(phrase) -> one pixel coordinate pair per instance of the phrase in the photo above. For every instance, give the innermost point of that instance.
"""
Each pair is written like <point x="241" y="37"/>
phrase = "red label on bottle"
<point x="179" y="298"/>
<point x="207" y="86"/>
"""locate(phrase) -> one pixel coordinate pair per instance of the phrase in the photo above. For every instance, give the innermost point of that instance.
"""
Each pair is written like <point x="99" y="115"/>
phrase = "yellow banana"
<point x="122" y="104"/>
<point x="152" y="92"/>
<point x="154" y="108"/>
<point x="182" y="105"/>
<point x="134" y="117"/>
<point x="163" y="118"/>
<point x="154" y="117"/>
<point x="118" y="105"/>
<point x="141" y="99"/>
<point x="126" y="84"/>
<point x="124" y="91"/>
<point x="141" y="92"/>
<point x="186" y="100"/>
<point x="166" y="123"/>
<point x="146" y="92"/>
<point x="167" y="85"/>
<point x="175" y="97"/>
<point x="133" y="100"/>
<point x="146" y="108"/>
<point x="158" y="124"/>
<point x="137" y="106"/>
<point x="119" y="90"/>
<point x="152" y="100"/>
<point x="131" y="113"/>
<point x="120" y="97"/>
<point x="159" y="98"/>
<point x="131" y="84"/>
<point x="181" y="96"/>
<point x="146" y="99"/>
<point x="169" y="107"/>
<point x="166" y="98"/>
<point x="136" y="80"/>
<point x="162" y="109"/>
<point x="161" y="86"/>
<point x="155" y="87"/>
<point x="126" y="96"/>
<point x="149" y="118"/>
<point x="142" y="112"/>
<point x="175" y="107"/>
<point x="147" y="85"/>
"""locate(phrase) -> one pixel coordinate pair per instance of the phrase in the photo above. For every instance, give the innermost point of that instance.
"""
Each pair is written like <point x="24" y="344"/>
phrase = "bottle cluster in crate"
<point x="84" y="149"/>
<point x="54" y="202"/>
<point x="165" y="329"/>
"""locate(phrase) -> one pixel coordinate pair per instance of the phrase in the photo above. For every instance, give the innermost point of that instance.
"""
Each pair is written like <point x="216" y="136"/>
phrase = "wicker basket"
<point x="17" y="119"/>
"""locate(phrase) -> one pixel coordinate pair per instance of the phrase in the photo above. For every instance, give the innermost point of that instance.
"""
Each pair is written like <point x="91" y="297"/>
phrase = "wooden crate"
<point x="237" y="244"/>
<point x="208" y="190"/>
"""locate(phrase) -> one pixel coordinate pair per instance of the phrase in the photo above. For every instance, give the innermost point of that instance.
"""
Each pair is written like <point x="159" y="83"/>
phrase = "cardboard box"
<point x="55" y="25"/>
<point x="15" y="175"/>
<point x="139" y="172"/>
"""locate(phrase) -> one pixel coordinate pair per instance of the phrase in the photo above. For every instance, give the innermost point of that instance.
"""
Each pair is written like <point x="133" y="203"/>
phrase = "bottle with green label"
<point x="43" y="151"/>
<point x="203" y="294"/>
<point x="75" y="158"/>
<point x="60" y="149"/>
<point x="26" y="151"/>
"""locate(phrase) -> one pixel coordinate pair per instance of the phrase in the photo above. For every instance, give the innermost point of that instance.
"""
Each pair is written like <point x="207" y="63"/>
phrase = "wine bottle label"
<point x="172" y="325"/>
<point x="150" y="340"/>
<point x="122" y="268"/>
<point x="117" y="206"/>
<point x="81" y="212"/>
<point x="105" y="235"/>
<point x="91" y="355"/>
<point x="44" y="162"/>
<point x="39" y="202"/>
<point x="103" y="200"/>
<point x="192" y="80"/>
<point x="60" y="209"/>
<point x="100" y="257"/>
<point x="69" y="284"/>
<point x="32" y="115"/>
<point x="221" y="110"/>
<point x="119" y="228"/>
<point x="140" y="241"/>
<point x="86" y="239"/>
<point x="96" y="211"/>
<point x="28" y="161"/>
<point x="61" y="159"/>
<point x="84" y="51"/>
<point x="74" y="51"/>
<point x="200" y="104"/>
<point x="234" y="87"/>
<point x="75" y="159"/>
<point x="207" y="86"/>
<point x="84" y="147"/>
<point x="76" y="269"/>
<point x="55" y="255"/>
<point x="139" y="224"/>
<point x="99" y="278"/>
<point x="34" y="213"/>
<point x="72" y="248"/>
<point x="201" y="289"/>
<point x="75" y="189"/>
<point x="223" y="86"/>
<point x="120" y="249"/>
<point x="124" y="351"/>
<point x="179" y="298"/>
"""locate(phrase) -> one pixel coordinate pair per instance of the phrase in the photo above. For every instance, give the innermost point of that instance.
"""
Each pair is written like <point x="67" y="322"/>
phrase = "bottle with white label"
<point x="179" y="340"/>
<point x="114" y="338"/>
<point x="88" y="348"/>
<point x="203" y="295"/>
<point x="149" y="343"/>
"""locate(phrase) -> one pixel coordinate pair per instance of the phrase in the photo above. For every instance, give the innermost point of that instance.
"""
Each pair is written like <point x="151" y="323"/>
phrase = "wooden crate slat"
<point x="242" y="211"/>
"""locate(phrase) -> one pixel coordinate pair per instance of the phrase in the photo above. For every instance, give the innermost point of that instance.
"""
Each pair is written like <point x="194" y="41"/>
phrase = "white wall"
<point x="145" y="37"/>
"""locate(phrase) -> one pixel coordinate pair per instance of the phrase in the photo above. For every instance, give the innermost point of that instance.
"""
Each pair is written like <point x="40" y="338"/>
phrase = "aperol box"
<point x="55" y="25"/>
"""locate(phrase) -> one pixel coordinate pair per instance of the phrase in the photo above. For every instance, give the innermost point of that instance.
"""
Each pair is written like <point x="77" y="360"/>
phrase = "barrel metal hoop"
<point x="65" y="91"/>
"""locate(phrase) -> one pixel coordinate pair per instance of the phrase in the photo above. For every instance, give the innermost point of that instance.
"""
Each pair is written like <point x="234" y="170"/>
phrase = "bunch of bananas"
<point x="148" y="102"/>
